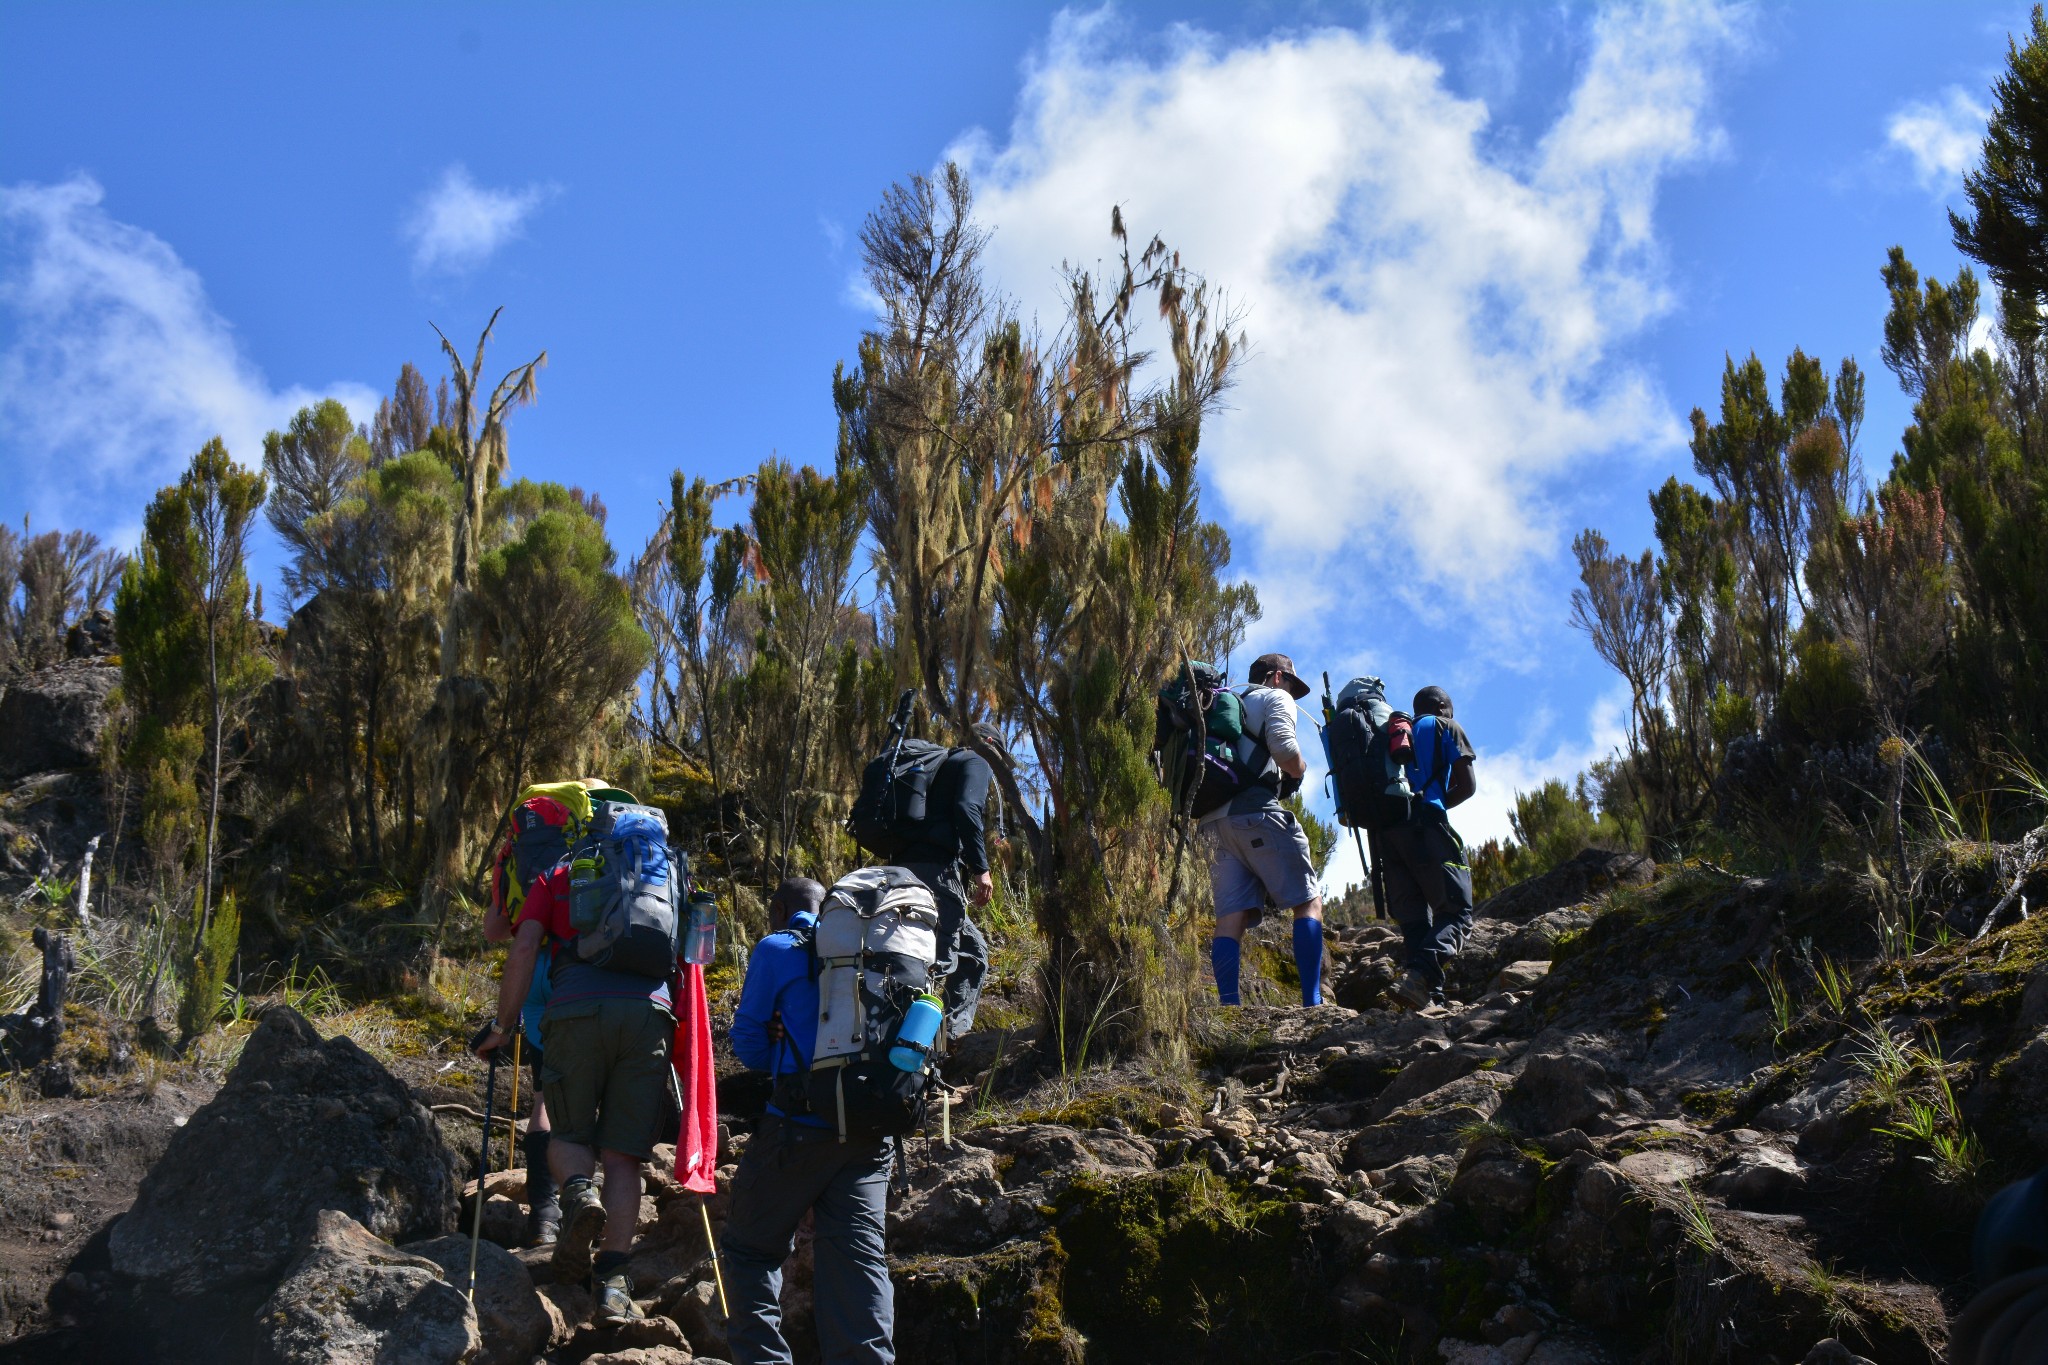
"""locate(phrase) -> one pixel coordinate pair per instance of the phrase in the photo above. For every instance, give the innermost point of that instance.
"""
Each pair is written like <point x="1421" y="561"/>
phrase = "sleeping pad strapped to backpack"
<point x="1369" y="747"/>
<point x="1200" y="783"/>
<point x="872" y="950"/>
<point x="626" y="886"/>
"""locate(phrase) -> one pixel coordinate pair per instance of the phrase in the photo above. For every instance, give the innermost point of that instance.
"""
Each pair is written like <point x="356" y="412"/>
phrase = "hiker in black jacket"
<point x="950" y="855"/>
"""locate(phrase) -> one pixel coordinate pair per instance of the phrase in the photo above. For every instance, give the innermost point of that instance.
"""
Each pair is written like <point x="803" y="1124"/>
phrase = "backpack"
<point x="1201" y="784"/>
<point x="1368" y="741"/>
<point x="894" y="802"/>
<point x="626" y="886"/>
<point x="872" y="951"/>
<point x="550" y="817"/>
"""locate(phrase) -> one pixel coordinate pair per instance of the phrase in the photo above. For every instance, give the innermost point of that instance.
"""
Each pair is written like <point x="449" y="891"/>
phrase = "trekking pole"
<point x="483" y="1175"/>
<point x="1376" y="878"/>
<point x="712" y="1242"/>
<point x="512" y="1107"/>
<point x="1184" y="802"/>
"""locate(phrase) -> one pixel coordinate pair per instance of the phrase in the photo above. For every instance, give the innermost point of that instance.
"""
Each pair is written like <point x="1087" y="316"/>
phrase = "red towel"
<point x="697" y="1143"/>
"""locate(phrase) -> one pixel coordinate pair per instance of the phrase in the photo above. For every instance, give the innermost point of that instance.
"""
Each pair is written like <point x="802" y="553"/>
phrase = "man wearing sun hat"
<point x="1258" y="853"/>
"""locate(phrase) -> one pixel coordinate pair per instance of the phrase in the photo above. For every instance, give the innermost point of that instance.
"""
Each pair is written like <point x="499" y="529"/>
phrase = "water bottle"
<point x="700" y="940"/>
<point x="586" y="893"/>
<point x="914" y="1039"/>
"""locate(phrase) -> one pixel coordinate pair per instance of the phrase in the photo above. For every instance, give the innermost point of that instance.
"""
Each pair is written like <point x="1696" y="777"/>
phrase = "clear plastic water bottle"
<point x="700" y="939"/>
<point x="914" y="1039"/>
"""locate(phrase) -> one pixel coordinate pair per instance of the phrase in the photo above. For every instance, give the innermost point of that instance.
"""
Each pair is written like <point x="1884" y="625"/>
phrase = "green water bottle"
<point x="586" y="893"/>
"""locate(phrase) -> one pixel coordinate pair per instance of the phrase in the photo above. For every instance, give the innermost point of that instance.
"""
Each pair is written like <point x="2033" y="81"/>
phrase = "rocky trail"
<point x="1609" y="1148"/>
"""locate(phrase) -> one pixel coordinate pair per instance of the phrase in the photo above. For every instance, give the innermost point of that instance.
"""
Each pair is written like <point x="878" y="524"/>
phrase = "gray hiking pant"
<point x="963" y="952"/>
<point x="789" y="1170"/>
<point x="1429" y="889"/>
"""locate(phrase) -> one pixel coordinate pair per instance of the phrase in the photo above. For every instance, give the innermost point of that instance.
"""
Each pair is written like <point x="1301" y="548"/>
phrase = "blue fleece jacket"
<point x="779" y="981"/>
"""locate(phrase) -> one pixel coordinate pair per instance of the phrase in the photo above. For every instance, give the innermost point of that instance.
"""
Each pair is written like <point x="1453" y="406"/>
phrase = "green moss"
<point x="1183" y="1263"/>
<point x="1712" y="1105"/>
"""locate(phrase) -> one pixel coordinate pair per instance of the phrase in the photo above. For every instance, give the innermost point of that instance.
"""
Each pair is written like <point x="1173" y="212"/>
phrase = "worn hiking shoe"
<point x="582" y="1223"/>
<point x="615" y="1299"/>
<point x="1411" y="991"/>
<point x="544" y="1224"/>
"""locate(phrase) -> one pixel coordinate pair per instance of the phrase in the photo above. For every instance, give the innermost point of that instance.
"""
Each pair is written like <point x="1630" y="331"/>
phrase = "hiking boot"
<point x="544" y="1224"/>
<point x="615" y="1299"/>
<point x="582" y="1223"/>
<point x="1411" y="991"/>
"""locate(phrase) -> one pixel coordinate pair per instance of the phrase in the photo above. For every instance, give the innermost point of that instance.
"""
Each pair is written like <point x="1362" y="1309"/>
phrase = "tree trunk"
<point x="213" y="787"/>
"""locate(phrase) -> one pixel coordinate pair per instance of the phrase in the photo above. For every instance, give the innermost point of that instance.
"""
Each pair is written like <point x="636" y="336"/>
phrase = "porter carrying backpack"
<point x="872" y="951"/>
<point x="1200" y="782"/>
<point x="895" y="797"/>
<point x="1366" y="767"/>
<point x="626" y="886"/>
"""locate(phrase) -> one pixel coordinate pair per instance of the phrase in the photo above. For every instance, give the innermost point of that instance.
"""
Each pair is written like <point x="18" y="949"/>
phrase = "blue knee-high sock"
<point x="1308" y="958"/>
<point x="1223" y="955"/>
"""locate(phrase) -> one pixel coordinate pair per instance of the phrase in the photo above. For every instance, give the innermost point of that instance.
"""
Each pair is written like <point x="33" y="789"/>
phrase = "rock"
<point x="1806" y="1107"/>
<point x="1559" y="1090"/>
<point x="642" y="1355"/>
<point x="1832" y="1352"/>
<point x="1498" y="1190"/>
<point x="1000" y="1307"/>
<point x="653" y="1333"/>
<point x="52" y="718"/>
<point x="1433" y="1124"/>
<point x="1661" y="1167"/>
<point x="504" y="1222"/>
<point x="956" y="1205"/>
<point x="1573" y="883"/>
<point x="696" y="1311"/>
<point x="1416" y="1180"/>
<point x="2033" y="1004"/>
<point x="1537" y="940"/>
<point x="568" y="1307"/>
<point x="1758" y="1177"/>
<point x="1515" y="1352"/>
<point x="509" y="1312"/>
<point x="351" y="1299"/>
<point x="301" y="1125"/>
<point x="1520" y="976"/>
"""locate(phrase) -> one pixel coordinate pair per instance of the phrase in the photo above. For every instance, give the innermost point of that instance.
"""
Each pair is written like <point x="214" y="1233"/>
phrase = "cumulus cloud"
<point x="1941" y="138"/>
<point x="459" y="224"/>
<point x="116" y="368"/>
<point x="1436" y="321"/>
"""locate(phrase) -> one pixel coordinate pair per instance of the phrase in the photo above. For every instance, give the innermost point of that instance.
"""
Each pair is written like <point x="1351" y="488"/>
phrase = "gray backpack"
<point x="625" y="886"/>
<point x="874" y="947"/>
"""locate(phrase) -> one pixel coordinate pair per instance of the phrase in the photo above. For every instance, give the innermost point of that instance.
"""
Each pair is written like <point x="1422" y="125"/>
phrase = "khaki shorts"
<point x="1258" y="859"/>
<point x="607" y="1081"/>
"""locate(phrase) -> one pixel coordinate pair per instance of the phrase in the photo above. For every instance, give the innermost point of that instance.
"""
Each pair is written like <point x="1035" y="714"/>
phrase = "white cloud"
<point x="116" y="368"/>
<point x="1434" y="324"/>
<point x="1941" y="138"/>
<point x="459" y="224"/>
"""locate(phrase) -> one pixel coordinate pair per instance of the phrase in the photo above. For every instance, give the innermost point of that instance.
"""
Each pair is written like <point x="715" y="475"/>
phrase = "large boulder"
<point x="509" y="1312"/>
<point x="52" y="718"/>
<point x="1560" y="1090"/>
<point x="354" y="1300"/>
<point x="303" y="1124"/>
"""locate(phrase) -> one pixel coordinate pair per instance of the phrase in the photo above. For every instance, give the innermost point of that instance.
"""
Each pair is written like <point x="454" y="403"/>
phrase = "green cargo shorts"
<point x="607" y="1081"/>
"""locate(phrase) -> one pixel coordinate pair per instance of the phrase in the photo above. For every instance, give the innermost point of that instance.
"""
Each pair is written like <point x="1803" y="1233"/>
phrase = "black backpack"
<point x="894" y="803"/>
<point x="1371" y="788"/>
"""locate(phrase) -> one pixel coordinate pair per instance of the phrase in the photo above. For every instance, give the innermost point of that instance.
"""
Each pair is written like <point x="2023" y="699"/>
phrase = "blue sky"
<point x="1489" y="255"/>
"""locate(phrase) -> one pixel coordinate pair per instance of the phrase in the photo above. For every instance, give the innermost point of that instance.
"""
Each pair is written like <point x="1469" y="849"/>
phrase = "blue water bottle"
<point x="914" y="1039"/>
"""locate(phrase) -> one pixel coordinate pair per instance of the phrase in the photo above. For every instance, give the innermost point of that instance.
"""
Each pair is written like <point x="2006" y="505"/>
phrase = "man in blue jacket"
<point x="1429" y="883"/>
<point x="795" y="1164"/>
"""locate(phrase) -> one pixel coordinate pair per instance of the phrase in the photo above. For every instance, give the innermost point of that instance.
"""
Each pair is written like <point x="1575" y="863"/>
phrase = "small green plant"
<point x="314" y="995"/>
<point x="1695" y="1219"/>
<point x="1836" y="987"/>
<point x="1824" y="1284"/>
<point x="1779" y="997"/>
<point x="206" y="982"/>
<point x="1884" y="1060"/>
<point x="1480" y="1130"/>
<point x="61" y="892"/>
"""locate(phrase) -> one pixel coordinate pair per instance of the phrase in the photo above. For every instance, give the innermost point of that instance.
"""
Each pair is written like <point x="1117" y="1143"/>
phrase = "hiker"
<point x="948" y="852"/>
<point x="1258" y="853"/>
<point x="1429" y="885"/>
<point x="543" y="1203"/>
<point x="608" y="1084"/>
<point x="795" y="1164"/>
